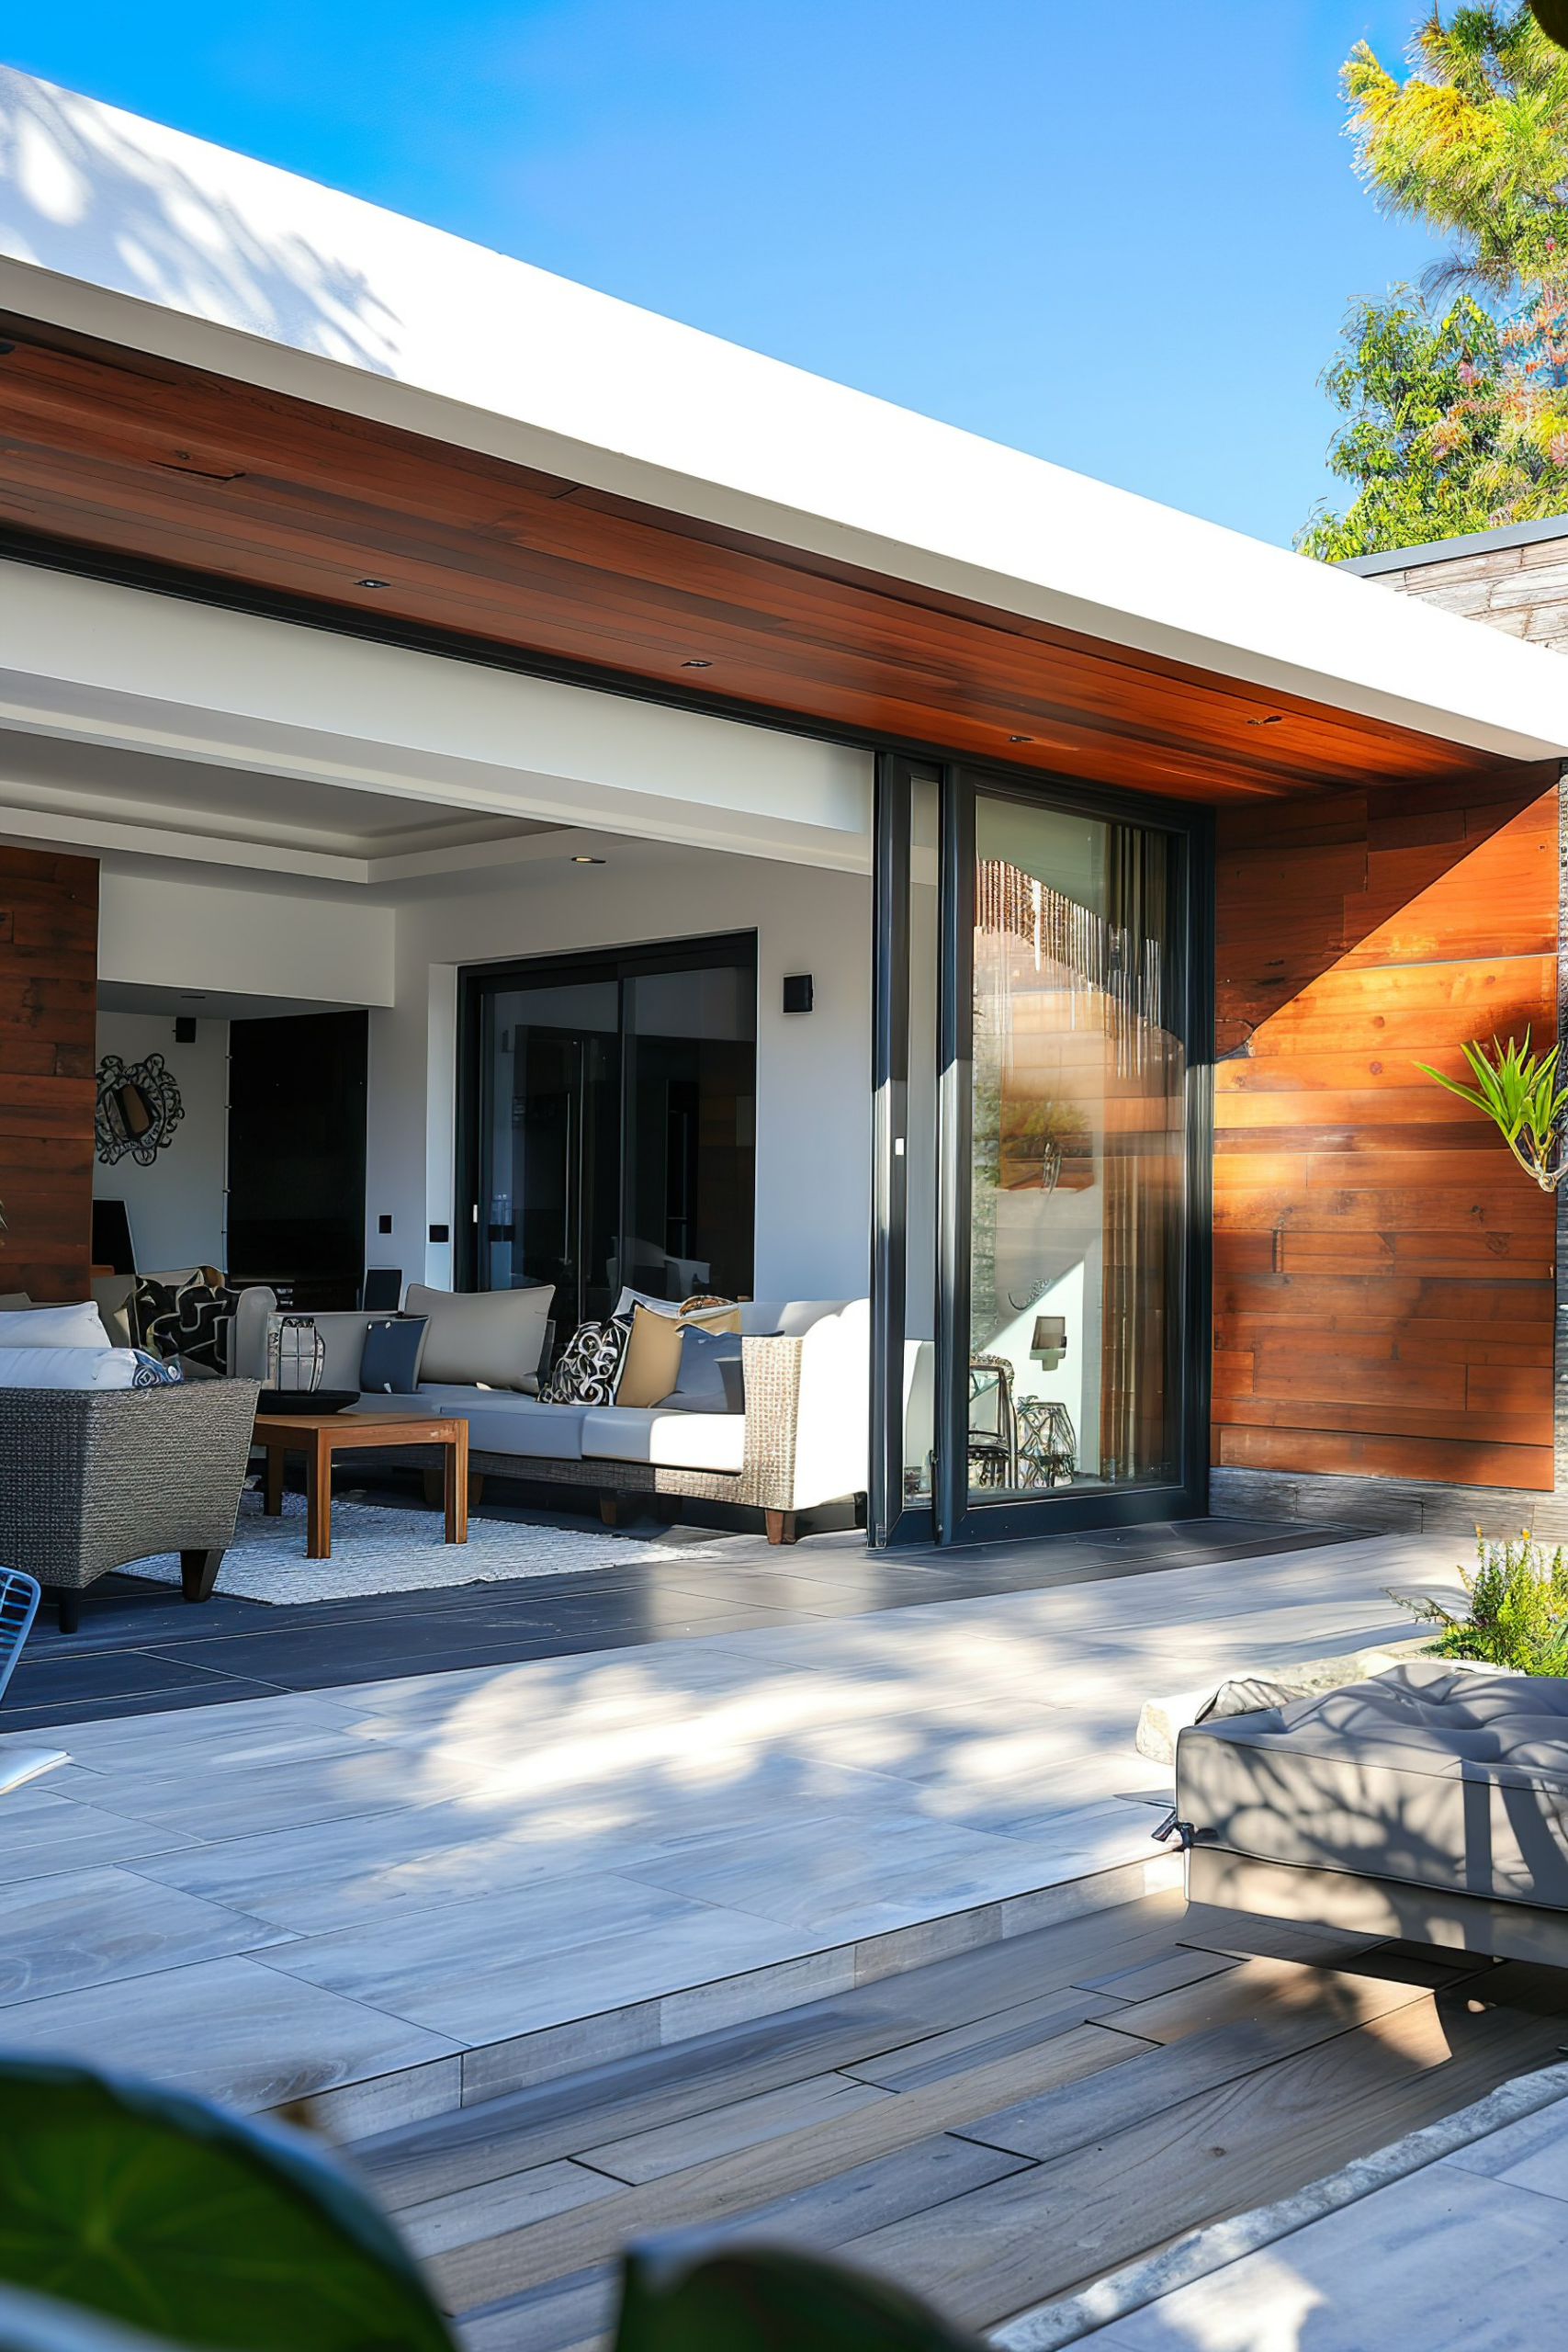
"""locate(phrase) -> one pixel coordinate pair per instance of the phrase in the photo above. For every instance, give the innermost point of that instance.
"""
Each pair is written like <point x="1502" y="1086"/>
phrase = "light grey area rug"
<point x="376" y="1548"/>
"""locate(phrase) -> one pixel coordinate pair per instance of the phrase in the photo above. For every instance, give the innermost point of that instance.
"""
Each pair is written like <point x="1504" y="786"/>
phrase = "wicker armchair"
<point x="92" y="1479"/>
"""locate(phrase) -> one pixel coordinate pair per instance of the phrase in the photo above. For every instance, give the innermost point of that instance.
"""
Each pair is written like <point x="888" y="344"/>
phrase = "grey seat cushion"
<point x="499" y="1421"/>
<point x="1441" y="1778"/>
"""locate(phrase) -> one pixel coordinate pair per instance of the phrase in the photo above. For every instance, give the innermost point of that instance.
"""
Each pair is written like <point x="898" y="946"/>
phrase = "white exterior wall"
<point x="813" y="1069"/>
<point x="176" y="1207"/>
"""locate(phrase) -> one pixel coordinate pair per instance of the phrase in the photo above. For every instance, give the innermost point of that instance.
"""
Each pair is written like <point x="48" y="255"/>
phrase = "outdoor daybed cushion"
<point x="1444" y="1779"/>
<point x="50" y="1327"/>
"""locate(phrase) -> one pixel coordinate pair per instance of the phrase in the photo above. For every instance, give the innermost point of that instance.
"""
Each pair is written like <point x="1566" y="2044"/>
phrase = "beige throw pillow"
<point x="489" y="1339"/>
<point x="651" y="1365"/>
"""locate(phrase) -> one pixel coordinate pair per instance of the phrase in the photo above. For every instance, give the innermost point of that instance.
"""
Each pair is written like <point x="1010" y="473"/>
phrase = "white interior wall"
<point x="813" y="1069"/>
<point x="158" y="929"/>
<point x="176" y="1206"/>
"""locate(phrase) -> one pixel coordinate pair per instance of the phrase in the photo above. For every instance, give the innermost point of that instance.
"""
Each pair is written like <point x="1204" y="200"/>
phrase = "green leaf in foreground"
<point x="204" y="2228"/>
<point x="38" y="2323"/>
<point x="692" y="2293"/>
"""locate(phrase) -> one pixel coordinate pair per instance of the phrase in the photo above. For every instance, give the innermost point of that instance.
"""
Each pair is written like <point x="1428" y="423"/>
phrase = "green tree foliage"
<point x="1473" y="142"/>
<point x="1456" y="397"/>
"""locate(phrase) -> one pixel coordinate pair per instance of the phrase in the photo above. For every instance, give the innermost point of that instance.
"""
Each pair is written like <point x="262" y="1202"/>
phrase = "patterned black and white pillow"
<point x="185" y="1319"/>
<point x="589" y="1368"/>
<point x="154" y="1372"/>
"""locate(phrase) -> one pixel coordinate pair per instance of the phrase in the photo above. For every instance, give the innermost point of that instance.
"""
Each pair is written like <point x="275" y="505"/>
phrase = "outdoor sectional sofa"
<point x="800" y="1443"/>
<point x="1430" y="1803"/>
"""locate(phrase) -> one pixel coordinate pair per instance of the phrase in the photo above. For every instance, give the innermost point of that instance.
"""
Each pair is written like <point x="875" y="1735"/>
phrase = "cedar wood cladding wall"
<point x="49" y="957"/>
<point x="1383" y="1271"/>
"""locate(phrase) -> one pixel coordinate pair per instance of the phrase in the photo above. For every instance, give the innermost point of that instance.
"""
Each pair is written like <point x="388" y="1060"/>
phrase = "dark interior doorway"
<point x="609" y="1124"/>
<point x="296" y="1094"/>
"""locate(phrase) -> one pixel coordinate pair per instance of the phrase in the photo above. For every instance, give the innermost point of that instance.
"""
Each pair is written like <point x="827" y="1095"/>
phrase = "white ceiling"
<point x="52" y="777"/>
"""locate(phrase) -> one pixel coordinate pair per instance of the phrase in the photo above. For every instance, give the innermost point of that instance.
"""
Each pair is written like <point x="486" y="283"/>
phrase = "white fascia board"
<point x="120" y="227"/>
<point x="95" y="662"/>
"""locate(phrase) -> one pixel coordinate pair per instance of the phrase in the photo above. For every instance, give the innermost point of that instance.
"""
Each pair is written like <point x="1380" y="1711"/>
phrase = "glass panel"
<point x="691" y="1132"/>
<point x="1078" y="1156"/>
<point x="920" y="1145"/>
<point x="550" y="1142"/>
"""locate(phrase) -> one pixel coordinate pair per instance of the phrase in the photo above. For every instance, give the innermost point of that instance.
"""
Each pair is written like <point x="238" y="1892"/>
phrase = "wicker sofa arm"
<point x="771" y="1368"/>
<point x="808" y="1413"/>
<point x="93" y="1479"/>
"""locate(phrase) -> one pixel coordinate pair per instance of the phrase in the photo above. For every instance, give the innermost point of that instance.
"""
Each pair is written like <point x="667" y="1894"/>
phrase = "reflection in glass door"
<point x="609" y="1121"/>
<point x="1039" y="1238"/>
<point x="1079" y="1126"/>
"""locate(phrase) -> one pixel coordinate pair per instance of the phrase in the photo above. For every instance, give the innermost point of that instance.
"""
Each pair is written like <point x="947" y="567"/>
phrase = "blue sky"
<point x="1126" y="246"/>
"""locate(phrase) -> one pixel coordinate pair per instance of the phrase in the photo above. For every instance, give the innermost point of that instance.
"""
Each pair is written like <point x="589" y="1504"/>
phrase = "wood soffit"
<point x="117" y="455"/>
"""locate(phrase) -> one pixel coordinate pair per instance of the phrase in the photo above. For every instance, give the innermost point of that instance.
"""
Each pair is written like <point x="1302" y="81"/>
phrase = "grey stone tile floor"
<point x="274" y="1896"/>
<point x="142" y="1649"/>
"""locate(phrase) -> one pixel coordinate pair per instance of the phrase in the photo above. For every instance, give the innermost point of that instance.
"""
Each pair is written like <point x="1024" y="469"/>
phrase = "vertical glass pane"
<point x="690" y="1126"/>
<point x="550" y="1142"/>
<point x="1078" y="1156"/>
<point x="920" y="1145"/>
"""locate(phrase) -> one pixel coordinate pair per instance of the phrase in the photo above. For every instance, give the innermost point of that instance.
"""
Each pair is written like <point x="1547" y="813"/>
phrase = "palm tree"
<point x="1474" y="140"/>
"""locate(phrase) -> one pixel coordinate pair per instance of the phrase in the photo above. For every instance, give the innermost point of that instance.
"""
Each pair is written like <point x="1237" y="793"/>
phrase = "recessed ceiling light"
<point x="580" y="860"/>
<point x="372" y="584"/>
<point x="696" y="665"/>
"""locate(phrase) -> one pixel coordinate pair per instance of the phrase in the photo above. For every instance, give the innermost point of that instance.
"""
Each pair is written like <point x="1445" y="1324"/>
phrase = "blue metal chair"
<point x="18" y="1607"/>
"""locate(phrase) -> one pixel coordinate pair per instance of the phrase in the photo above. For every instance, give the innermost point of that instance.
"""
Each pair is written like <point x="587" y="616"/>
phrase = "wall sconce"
<point x="1049" y="1344"/>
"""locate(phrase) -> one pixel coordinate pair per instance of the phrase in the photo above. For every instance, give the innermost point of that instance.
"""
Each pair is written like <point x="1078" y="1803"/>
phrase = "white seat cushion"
<point x="673" y="1441"/>
<point x="499" y="1421"/>
<point x="83" y="1367"/>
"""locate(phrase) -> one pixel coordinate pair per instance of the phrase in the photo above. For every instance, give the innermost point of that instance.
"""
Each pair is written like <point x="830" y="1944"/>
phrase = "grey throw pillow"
<point x="701" y="1385"/>
<point x="389" y="1365"/>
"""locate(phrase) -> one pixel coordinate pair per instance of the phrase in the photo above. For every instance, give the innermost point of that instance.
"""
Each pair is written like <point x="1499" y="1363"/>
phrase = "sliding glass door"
<point x="609" y="1124"/>
<point x="1042" y="1150"/>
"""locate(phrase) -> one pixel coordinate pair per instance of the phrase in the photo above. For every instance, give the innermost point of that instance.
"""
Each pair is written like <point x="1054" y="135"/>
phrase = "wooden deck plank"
<point x="741" y="2124"/>
<point x="1259" y="1989"/>
<point x="1184" y="1964"/>
<point x="467" y="2214"/>
<point x="1046" y="2232"/>
<point x="533" y="2127"/>
<point x="935" y="2055"/>
<point x="733" y="2184"/>
<point x="555" y="2317"/>
<point x="1056" y="2122"/>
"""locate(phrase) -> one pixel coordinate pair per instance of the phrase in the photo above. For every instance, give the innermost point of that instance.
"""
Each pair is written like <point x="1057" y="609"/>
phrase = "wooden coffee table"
<point x="318" y="1436"/>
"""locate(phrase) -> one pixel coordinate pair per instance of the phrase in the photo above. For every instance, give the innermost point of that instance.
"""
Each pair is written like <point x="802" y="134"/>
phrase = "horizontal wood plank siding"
<point x="49" y="959"/>
<point x="1384" y="1273"/>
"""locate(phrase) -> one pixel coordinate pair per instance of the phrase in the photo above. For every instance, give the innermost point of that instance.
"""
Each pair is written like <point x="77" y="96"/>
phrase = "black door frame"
<point x="952" y="1517"/>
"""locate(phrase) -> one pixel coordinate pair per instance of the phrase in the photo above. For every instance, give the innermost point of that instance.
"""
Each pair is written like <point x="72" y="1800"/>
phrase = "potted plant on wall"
<point x="1519" y="1093"/>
